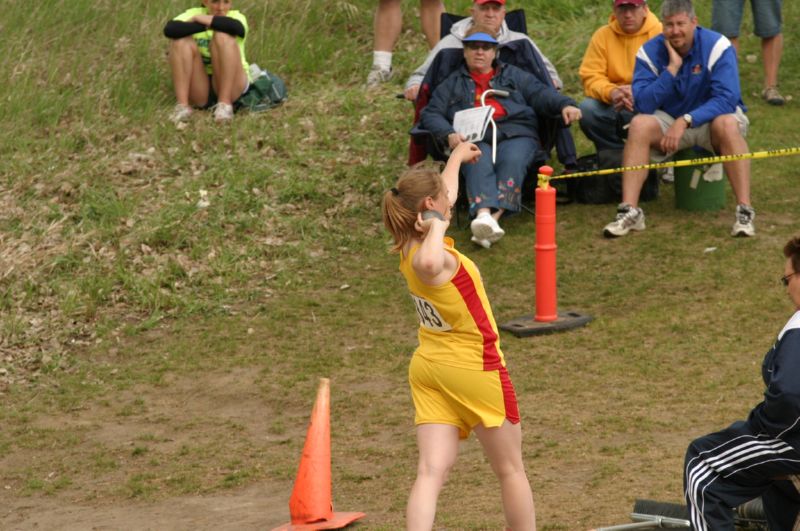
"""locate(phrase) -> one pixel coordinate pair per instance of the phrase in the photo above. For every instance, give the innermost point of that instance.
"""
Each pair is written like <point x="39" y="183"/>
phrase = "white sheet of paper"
<point x="472" y="122"/>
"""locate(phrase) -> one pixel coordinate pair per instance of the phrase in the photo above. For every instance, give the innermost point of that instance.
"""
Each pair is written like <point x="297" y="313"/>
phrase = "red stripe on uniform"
<point x="465" y="285"/>
<point x="509" y="396"/>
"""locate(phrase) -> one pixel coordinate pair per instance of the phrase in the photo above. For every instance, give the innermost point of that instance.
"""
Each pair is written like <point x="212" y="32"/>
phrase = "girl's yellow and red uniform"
<point x="457" y="374"/>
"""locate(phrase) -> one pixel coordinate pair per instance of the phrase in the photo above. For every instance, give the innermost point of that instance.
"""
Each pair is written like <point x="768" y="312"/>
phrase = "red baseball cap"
<point x="481" y="2"/>
<point x="618" y="3"/>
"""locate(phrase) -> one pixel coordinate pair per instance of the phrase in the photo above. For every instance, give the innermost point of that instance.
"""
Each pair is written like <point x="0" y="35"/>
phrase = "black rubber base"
<point x="527" y="326"/>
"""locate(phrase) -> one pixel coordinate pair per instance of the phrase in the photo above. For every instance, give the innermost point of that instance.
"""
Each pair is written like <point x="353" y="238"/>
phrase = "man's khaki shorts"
<point x="693" y="136"/>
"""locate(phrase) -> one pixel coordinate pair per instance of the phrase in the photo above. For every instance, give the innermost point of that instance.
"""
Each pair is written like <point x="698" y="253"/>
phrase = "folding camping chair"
<point x="519" y="53"/>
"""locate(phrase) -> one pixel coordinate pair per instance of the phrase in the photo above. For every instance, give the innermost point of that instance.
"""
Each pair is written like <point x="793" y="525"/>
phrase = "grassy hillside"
<point x="153" y="351"/>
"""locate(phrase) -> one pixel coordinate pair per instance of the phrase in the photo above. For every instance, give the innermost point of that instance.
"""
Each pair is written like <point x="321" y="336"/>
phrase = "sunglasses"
<point x="479" y="45"/>
<point x="785" y="280"/>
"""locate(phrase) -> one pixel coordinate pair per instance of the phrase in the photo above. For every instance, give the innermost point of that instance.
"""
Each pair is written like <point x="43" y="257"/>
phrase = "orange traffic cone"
<point x="310" y="505"/>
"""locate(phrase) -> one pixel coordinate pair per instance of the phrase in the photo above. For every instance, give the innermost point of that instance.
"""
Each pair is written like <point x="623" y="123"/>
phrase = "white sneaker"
<point x="482" y="243"/>
<point x="378" y="75"/>
<point x="628" y="218"/>
<point x="743" y="226"/>
<point x="180" y="113"/>
<point x="223" y="112"/>
<point x="485" y="227"/>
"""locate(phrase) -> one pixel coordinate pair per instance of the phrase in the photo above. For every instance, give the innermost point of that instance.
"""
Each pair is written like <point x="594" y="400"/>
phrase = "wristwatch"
<point x="688" y="118"/>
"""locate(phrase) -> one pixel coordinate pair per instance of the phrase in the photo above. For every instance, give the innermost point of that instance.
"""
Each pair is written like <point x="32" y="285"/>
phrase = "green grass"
<point x="151" y="349"/>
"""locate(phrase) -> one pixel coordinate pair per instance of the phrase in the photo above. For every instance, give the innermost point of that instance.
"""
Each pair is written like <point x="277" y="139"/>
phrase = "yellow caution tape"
<point x="680" y="163"/>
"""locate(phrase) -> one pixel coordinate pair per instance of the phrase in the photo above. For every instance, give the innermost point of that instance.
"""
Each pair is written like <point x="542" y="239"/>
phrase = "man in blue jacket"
<point x="759" y="456"/>
<point x="686" y="89"/>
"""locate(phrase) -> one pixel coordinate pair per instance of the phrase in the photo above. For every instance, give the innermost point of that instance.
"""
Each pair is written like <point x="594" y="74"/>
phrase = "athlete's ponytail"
<point x="403" y="202"/>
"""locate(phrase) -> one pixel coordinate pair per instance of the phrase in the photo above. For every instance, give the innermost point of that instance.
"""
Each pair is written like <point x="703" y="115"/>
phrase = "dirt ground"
<point x="577" y="491"/>
<point x="232" y="397"/>
<point x="248" y="508"/>
<point x="237" y="432"/>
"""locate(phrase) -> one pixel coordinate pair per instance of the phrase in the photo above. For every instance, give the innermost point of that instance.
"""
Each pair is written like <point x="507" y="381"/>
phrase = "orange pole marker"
<point x="545" y="248"/>
<point x="547" y="318"/>
<point x="310" y="505"/>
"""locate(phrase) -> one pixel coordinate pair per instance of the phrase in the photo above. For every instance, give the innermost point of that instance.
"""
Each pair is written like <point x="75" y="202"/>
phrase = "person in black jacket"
<point x="759" y="456"/>
<point x="207" y="59"/>
<point x="494" y="188"/>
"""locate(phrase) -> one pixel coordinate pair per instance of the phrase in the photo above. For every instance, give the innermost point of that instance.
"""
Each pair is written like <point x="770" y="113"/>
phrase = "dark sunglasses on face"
<point x="479" y="45"/>
<point x="785" y="280"/>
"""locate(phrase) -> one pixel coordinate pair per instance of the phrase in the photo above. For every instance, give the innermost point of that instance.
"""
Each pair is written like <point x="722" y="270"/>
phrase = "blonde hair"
<point x="402" y="203"/>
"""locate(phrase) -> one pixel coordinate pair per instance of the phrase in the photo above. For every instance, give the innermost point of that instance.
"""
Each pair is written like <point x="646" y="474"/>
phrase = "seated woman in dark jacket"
<point x="494" y="188"/>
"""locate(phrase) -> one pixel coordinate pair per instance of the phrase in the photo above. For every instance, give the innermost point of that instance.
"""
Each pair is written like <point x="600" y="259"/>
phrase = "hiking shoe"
<point x="485" y="227"/>
<point x="772" y="96"/>
<point x="628" y="218"/>
<point x="743" y="226"/>
<point x="223" y="112"/>
<point x="378" y="75"/>
<point x="180" y="113"/>
<point x="482" y="243"/>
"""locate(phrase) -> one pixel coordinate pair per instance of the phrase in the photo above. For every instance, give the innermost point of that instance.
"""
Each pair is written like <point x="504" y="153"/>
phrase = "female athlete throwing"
<point x="457" y="375"/>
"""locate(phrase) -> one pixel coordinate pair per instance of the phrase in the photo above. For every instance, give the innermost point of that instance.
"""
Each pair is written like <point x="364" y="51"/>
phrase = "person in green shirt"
<point x="206" y="55"/>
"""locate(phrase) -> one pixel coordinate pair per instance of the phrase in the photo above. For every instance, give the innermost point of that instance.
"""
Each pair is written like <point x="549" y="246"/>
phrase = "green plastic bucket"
<point x="698" y="188"/>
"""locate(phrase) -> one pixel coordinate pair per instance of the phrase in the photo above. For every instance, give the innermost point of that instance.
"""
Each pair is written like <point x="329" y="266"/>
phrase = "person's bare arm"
<point x="463" y="152"/>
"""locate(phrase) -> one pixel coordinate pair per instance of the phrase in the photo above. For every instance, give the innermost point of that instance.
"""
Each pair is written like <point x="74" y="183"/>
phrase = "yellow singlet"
<point x="456" y="325"/>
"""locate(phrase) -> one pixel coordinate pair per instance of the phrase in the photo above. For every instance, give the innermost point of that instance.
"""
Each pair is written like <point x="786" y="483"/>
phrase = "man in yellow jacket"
<point x="607" y="72"/>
